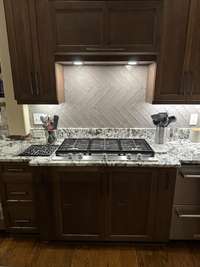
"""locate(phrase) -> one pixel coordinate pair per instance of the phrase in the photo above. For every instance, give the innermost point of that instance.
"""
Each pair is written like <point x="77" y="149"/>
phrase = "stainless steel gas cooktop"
<point x="105" y="149"/>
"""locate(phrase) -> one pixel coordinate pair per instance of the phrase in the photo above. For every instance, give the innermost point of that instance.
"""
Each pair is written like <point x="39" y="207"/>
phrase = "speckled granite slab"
<point x="146" y="133"/>
<point x="169" y="155"/>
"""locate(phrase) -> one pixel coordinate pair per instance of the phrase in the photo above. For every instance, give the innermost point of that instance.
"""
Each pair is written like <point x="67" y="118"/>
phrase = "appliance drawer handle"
<point x="190" y="176"/>
<point x="189" y="216"/>
<point x="181" y="215"/>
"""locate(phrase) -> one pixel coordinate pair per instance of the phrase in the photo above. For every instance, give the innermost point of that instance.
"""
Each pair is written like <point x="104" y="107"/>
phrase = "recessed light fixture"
<point x="78" y="63"/>
<point x="132" y="63"/>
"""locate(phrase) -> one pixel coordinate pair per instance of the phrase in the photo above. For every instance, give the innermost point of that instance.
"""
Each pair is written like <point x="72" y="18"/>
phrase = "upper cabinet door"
<point x="20" y="43"/>
<point x="133" y="25"/>
<point x="100" y="26"/>
<point x="77" y="25"/>
<point x="192" y="62"/>
<point x="49" y="75"/>
<point x="32" y="59"/>
<point x="170" y="86"/>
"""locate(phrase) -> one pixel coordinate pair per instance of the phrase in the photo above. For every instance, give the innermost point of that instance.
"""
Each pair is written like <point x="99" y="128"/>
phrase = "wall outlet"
<point x="193" y="119"/>
<point x="38" y="133"/>
<point x="36" y="118"/>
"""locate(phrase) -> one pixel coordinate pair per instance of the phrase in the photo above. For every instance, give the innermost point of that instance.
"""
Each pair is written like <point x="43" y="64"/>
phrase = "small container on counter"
<point x="195" y="135"/>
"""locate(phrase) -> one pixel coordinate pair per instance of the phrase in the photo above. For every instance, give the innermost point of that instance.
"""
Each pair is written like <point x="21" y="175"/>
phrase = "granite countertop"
<point x="168" y="155"/>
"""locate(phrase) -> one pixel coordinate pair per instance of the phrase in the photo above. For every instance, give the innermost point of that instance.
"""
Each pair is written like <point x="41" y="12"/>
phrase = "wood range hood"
<point x="110" y="59"/>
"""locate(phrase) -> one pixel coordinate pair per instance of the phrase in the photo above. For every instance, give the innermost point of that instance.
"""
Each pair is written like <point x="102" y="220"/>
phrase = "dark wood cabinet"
<point x="169" y="86"/>
<point x="133" y="26"/>
<point x="131" y="204"/>
<point x="88" y="203"/>
<point x="79" y="204"/>
<point x="43" y="33"/>
<point x="18" y="198"/>
<point x="177" y="79"/>
<point x="111" y="204"/>
<point x="20" y="36"/>
<point x="105" y="26"/>
<point x="33" y="66"/>
<point x="192" y="61"/>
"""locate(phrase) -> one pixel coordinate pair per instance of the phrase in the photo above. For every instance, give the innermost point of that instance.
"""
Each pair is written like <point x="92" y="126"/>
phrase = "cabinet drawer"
<point x="18" y="192"/>
<point x="185" y="223"/>
<point x="18" y="186"/>
<point x="21" y="217"/>
<point x="188" y="187"/>
<point x="15" y="169"/>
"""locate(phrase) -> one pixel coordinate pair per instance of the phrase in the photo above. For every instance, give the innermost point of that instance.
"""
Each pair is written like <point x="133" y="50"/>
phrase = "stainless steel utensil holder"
<point x="160" y="135"/>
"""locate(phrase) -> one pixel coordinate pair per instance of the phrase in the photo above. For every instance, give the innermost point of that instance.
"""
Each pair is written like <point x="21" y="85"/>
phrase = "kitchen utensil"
<point x="55" y="122"/>
<point x="170" y="120"/>
<point x="161" y="121"/>
<point x="44" y="119"/>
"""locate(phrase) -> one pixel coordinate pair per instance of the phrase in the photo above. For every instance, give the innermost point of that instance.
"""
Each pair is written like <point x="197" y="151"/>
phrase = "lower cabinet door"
<point x="79" y="205"/>
<point x="131" y="205"/>
<point x="185" y="223"/>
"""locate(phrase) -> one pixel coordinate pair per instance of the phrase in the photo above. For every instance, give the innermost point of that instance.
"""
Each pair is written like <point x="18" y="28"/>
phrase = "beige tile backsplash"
<point x="109" y="97"/>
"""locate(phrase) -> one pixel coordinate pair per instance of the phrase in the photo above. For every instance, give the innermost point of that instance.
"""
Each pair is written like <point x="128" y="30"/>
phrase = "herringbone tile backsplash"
<point x="109" y="96"/>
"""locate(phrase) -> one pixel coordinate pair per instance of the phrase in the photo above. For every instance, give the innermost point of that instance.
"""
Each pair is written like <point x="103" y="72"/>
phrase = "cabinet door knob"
<point x="32" y="84"/>
<point x="191" y="83"/>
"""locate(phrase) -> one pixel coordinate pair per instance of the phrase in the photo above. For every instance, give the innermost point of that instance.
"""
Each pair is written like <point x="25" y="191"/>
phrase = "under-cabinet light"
<point x="132" y="63"/>
<point x="78" y="63"/>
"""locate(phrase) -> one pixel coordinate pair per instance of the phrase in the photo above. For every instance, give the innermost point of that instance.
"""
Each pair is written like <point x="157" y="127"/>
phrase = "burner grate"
<point x="39" y="151"/>
<point x="104" y="145"/>
<point x="119" y="146"/>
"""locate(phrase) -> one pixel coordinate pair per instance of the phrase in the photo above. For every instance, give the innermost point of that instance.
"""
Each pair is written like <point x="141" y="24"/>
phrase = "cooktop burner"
<point x="93" y="146"/>
<point x="39" y="151"/>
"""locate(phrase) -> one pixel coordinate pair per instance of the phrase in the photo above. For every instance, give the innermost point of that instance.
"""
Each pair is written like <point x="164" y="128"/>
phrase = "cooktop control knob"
<point x="139" y="156"/>
<point x="80" y="156"/>
<point x="129" y="157"/>
<point x="105" y="156"/>
<point x="70" y="156"/>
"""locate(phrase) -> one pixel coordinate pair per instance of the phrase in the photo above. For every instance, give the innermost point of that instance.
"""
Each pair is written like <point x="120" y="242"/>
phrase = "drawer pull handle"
<point x="105" y="49"/>
<point x="22" y="221"/>
<point x="19" y="193"/>
<point x="14" y="170"/>
<point x="19" y="201"/>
